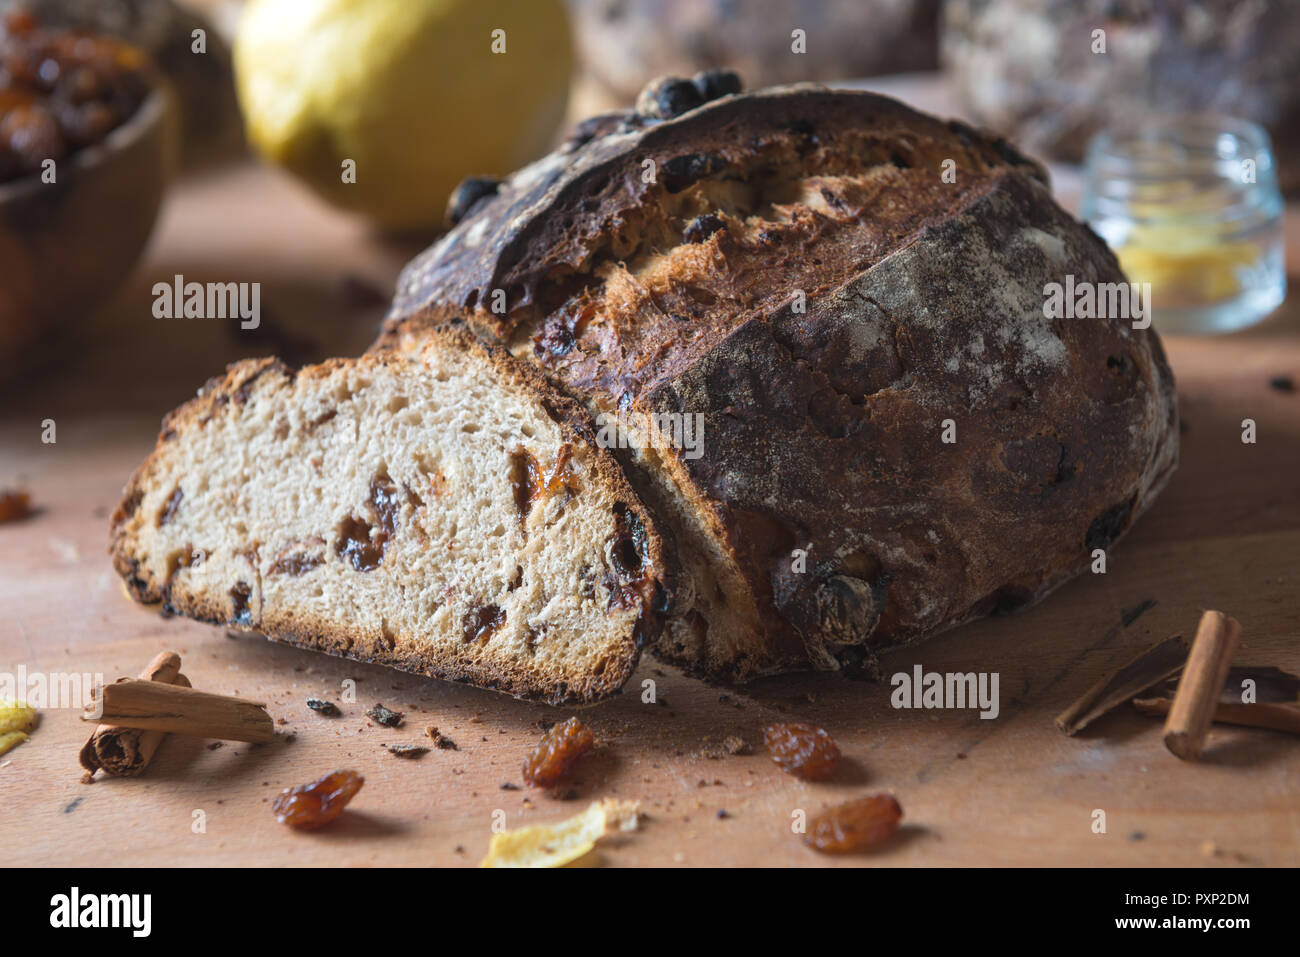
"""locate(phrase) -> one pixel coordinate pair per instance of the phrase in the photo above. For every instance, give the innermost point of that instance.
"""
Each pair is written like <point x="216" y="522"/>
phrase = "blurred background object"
<point x="411" y="90"/>
<point x="222" y="14"/>
<point x="87" y="143"/>
<point x="418" y="94"/>
<point x="1028" y="69"/>
<point x="623" y="44"/>
<point x="1190" y="204"/>
<point x="203" y="83"/>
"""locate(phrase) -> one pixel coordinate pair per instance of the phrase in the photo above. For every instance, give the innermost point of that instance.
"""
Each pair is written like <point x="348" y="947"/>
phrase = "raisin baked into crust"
<point x="441" y="511"/>
<point x="851" y="294"/>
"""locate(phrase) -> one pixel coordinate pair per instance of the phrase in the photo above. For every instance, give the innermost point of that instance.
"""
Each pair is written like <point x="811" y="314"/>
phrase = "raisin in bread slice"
<point x="440" y="511"/>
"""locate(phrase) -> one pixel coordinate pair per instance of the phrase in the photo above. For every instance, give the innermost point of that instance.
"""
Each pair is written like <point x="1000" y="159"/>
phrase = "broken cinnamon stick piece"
<point x="1270" y="715"/>
<point x="1197" y="698"/>
<point x="1158" y="663"/>
<point x="125" y="752"/>
<point x="154" y="706"/>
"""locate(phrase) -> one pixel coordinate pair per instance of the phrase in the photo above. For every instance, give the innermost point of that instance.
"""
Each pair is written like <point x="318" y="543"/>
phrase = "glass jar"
<point x="1190" y="204"/>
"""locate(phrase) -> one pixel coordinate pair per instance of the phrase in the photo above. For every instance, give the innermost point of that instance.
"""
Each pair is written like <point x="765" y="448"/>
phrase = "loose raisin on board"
<point x="855" y="825"/>
<point x="440" y="739"/>
<point x="804" y="750"/>
<point x="309" y="806"/>
<point x="562" y="745"/>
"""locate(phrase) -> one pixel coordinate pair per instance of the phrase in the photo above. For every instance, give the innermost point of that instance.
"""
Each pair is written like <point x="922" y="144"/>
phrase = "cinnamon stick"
<point x="154" y="706"/>
<point x="1197" y="698"/>
<point x="1158" y="663"/>
<point x="125" y="752"/>
<point x="1271" y="715"/>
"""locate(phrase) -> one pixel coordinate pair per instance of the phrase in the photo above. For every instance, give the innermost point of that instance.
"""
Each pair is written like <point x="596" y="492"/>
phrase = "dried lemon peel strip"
<point x="16" y="719"/>
<point x="555" y="845"/>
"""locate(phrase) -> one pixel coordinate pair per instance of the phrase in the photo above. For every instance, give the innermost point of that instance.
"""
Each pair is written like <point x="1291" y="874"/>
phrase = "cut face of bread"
<point x="439" y="511"/>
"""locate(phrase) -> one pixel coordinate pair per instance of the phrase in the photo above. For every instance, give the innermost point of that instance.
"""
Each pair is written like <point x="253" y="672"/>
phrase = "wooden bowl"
<point x="67" y="246"/>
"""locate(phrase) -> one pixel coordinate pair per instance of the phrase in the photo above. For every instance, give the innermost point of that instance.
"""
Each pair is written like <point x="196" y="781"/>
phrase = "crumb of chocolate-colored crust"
<point x="408" y="750"/>
<point x="385" y="716"/>
<point x="509" y="786"/>
<point x="440" y="739"/>
<point x="734" y="744"/>
<point x="731" y="745"/>
<point x="14" y="505"/>
<point x="328" y="708"/>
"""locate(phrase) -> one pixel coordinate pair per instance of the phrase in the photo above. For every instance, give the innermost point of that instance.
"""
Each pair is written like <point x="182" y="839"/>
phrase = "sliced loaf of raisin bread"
<point x="844" y="298"/>
<point x="848" y="300"/>
<point x="441" y="511"/>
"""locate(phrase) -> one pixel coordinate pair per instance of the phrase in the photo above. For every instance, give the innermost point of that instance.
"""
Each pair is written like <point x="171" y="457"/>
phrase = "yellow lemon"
<point x="383" y="106"/>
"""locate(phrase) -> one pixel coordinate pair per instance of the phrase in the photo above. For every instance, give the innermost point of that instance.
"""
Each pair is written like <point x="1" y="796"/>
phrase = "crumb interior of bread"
<point x="420" y="508"/>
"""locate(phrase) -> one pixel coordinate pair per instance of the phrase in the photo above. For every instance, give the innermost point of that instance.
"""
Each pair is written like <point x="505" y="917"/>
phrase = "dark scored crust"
<point x="225" y="394"/>
<point x="923" y="305"/>
<point x="555" y="217"/>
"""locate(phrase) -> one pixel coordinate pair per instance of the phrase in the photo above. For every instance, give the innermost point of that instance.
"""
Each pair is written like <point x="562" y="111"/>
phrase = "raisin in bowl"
<point x="87" y="144"/>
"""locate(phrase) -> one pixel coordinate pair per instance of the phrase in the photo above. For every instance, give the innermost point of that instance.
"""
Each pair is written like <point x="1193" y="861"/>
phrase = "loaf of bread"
<point x="850" y="296"/>
<point x="441" y="511"/>
<point x="773" y="370"/>
<point x="1032" y="69"/>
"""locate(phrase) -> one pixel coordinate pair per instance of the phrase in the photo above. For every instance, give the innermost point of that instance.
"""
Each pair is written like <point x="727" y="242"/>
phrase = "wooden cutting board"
<point x="1225" y="534"/>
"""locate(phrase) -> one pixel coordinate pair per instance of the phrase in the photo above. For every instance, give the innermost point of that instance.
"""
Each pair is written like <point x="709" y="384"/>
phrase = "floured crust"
<point x="584" y="627"/>
<point x="802" y="274"/>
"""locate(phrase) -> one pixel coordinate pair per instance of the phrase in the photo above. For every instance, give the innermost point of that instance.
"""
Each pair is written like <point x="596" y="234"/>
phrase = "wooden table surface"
<point x="1225" y="534"/>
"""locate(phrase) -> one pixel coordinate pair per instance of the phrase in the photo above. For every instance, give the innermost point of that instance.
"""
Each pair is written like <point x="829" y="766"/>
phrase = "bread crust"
<point x="222" y="393"/>
<point x="550" y="219"/>
<point x="823" y="427"/>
